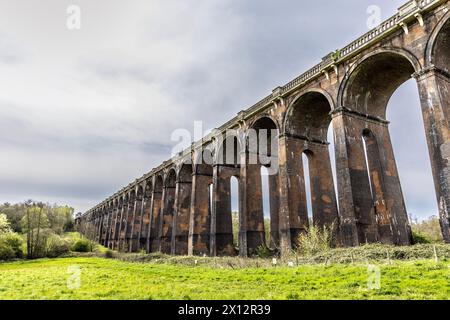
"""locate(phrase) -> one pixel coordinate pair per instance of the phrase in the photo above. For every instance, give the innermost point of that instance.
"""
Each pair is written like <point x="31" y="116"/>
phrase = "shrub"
<point x="5" y="226"/>
<point x="419" y="238"/>
<point x="82" y="245"/>
<point x="38" y="240"/>
<point x="263" y="252"/>
<point x="315" y="241"/>
<point x="429" y="228"/>
<point x="6" y="252"/>
<point x="109" y="254"/>
<point x="10" y="246"/>
<point x="56" y="246"/>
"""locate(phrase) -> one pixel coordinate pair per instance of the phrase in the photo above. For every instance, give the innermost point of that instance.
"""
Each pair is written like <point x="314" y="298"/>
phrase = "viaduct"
<point x="184" y="205"/>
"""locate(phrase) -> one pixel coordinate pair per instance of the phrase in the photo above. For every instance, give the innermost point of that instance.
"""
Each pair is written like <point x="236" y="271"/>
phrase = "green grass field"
<point x="114" y="279"/>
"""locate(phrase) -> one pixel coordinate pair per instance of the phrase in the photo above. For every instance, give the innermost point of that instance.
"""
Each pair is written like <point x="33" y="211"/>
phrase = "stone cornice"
<point x="357" y="114"/>
<point x="304" y="138"/>
<point x="431" y="70"/>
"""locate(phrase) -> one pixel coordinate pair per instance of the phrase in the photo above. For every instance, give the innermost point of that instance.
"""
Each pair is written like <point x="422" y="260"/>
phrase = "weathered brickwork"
<point x="184" y="205"/>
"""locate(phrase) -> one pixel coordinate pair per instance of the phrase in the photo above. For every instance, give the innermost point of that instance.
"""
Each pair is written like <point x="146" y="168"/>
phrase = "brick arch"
<point x="148" y="188"/>
<point x="152" y="241"/>
<point x="260" y="117"/>
<point x="184" y="172"/>
<point x="170" y="178"/>
<point x="308" y="115"/>
<point x="222" y="155"/>
<point x="203" y="160"/>
<point x="158" y="183"/>
<point x="168" y="211"/>
<point x="180" y="232"/>
<point x="263" y="122"/>
<point x="331" y="99"/>
<point x="139" y="190"/>
<point x="132" y="194"/>
<point x="440" y="33"/>
<point x="371" y="81"/>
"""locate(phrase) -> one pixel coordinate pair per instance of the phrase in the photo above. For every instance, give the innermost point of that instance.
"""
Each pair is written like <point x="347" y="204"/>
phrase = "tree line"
<point x="34" y="229"/>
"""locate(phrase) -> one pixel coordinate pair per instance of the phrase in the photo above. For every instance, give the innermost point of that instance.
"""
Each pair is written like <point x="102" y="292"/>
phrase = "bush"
<point x="82" y="245"/>
<point x="6" y="252"/>
<point x="315" y="241"/>
<point x="419" y="238"/>
<point x="5" y="226"/>
<point x="56" y="246"/>
<point x="429" y="229"/>
<point x="10" y="246"/>
<point x="263" y="252"/>
<point x="109" y="254"/>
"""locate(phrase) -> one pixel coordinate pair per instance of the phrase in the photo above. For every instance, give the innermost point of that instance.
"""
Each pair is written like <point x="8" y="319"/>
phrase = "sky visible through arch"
<point x="85" y="112"/>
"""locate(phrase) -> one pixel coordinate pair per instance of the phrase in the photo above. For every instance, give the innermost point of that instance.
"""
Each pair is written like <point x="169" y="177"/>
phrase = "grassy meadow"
<point x="209" y="279"/>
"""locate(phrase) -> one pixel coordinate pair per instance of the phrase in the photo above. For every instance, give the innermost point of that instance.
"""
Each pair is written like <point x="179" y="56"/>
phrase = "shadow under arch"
<point x="375" y="205"/>
<point x="201" y="203"/>
<point x="155" y="213"/>
<point x="123" y="222"/>
<point x="129" y="220"/>
<point x="307" y="123"/>
<point x="438" y="46"/>
<point x="146" y="214"/>
<point x="371" y="81"/>
<point x="167" y="212"/>
<point x="135" y="242"/>
<point x="227" y="166"/>
<point x="183" y="193"/>
<point x="261" y="151"/>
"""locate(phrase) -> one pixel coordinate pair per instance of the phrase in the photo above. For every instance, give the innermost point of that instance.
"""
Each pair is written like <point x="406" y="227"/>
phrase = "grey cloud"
<point x="138" y="71"/>
<point x="10" y="52"/>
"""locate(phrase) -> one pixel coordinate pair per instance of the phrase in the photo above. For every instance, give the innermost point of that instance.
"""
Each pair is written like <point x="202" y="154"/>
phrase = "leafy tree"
<point x="41" y="222"/>
<point x="14" y="213"/>
<point x="5" y="226"/>
<point x="60" y="218"/>
<point x="10" y="242"/>
<point x="33" y="222"/>
<point x="428" y="229"/>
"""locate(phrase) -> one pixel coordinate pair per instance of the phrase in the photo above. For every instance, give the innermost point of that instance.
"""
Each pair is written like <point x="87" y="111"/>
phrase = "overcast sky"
<point x="84" y="112"/>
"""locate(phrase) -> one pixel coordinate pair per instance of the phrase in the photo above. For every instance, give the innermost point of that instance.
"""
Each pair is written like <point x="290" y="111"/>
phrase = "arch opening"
<point x="262" y="175"/>
<point x="182" y="210"/>
<point x="123" y="222"/>
<point x="136" y="220"/>
<point x="166" y="218"/>
<point x="380" y="210"/>
<point x="309" y="200"/>
<point x="234" y="199"/>
<point x="129" y="220"/>
<point x="307" y="127"/>
<point x="371" y="85"/>
<point x="441" y="48"/>
<point x="146" y="216"/>
<point x="225" y="194"/>
<point x="411" y="152"/>
<point x="201" y="206"/>
<point x="153" y="242"/>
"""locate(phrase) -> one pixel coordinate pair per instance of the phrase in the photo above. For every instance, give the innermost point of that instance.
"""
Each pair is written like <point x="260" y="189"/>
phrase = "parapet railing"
<point x="409" y="9"/>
